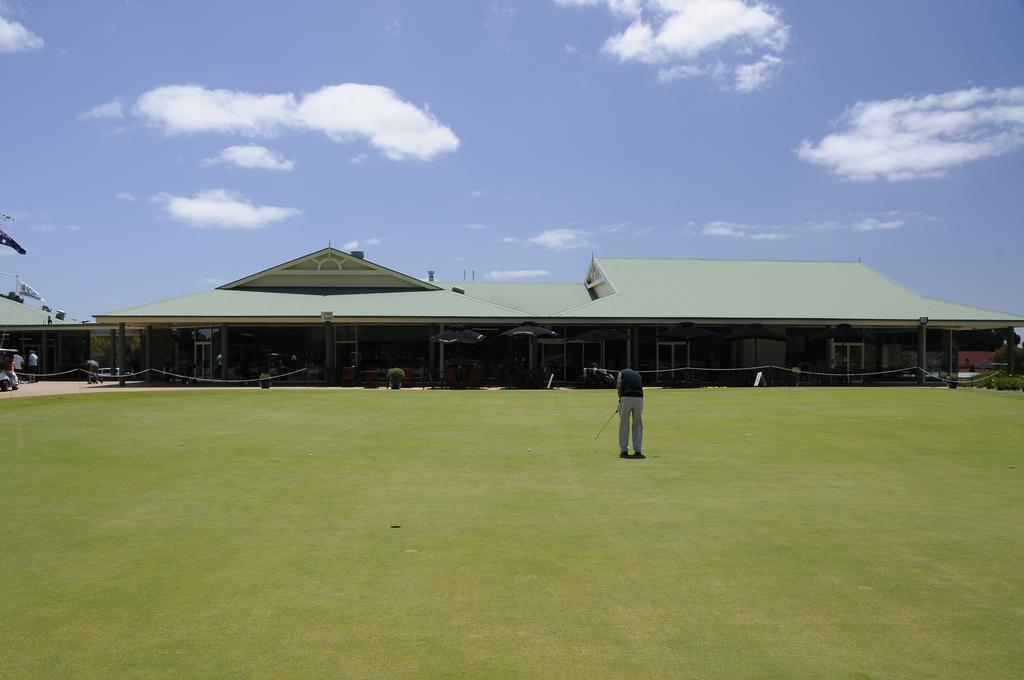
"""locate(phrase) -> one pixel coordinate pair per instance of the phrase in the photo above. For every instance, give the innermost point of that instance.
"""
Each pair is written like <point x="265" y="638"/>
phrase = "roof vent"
<point x="358" y="253"/>
<point x="430" y="275"/>
<point x="456" y="289"/>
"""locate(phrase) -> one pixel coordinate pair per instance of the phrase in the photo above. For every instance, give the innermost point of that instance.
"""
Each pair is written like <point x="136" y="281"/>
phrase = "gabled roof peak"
<point x="329" y="268"/>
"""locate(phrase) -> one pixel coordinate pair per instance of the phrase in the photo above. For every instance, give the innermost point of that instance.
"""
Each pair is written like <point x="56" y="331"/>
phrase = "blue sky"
<point x="151" y="149"/>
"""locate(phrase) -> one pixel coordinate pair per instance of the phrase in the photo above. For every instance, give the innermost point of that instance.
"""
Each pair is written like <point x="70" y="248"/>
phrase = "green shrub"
<point x="999" y="381"/>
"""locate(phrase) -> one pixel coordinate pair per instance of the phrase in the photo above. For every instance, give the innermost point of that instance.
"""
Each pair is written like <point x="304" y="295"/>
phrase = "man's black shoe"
<point x="625" y="454"/>
<point x="638" y="455"/>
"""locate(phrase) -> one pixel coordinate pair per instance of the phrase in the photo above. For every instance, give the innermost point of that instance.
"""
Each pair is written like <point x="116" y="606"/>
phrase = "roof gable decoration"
<point x="597" y="283"/>
<point x="329" y="268"/>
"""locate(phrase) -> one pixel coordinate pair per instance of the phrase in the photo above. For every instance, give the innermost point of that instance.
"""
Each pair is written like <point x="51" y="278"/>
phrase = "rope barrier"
<point x="596" y="371"/>
<point x="906" y="369"/>
<point x="50" y="375"/>
<point x="221" y="380"/>
<point x="852" y="375"/>
<point x="762" y="368"/>
<point x="135" y="374"/>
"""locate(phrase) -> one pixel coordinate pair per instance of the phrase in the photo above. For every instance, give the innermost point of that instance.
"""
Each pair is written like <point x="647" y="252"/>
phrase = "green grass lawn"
<point x="780" y="533"/>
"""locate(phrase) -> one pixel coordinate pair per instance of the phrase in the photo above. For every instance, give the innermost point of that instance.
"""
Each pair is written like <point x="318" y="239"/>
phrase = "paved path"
<point x="56" y="387"/>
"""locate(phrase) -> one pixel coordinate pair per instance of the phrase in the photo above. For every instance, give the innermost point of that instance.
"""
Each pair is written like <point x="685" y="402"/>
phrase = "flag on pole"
<point x="29" y="291"/>
<point x="6" y="240"/>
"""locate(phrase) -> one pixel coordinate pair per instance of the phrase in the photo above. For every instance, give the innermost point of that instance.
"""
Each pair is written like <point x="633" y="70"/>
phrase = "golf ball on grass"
<point x="529" y="450"/>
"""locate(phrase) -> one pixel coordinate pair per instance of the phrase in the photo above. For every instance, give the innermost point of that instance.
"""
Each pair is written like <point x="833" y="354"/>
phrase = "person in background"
<point x="92" y="370"/>
<point x="33" y="365"/>
<point x="9" y="369"/>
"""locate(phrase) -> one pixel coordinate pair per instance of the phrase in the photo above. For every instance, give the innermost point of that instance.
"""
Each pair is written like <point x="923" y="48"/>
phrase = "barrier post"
<point x="922" y="342"/>
<point x="120" y="352"/>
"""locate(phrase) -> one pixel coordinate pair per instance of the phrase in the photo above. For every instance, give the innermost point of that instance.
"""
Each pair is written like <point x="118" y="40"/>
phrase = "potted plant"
<point x="395" y="376"/>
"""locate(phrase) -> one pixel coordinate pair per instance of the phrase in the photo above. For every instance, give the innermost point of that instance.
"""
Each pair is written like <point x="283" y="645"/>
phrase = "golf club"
<point x="606" y="424"/>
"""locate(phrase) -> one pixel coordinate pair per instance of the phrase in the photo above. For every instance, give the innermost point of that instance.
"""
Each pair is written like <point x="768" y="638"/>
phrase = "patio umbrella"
<point x="464" y="336"/>
<point x="688" y="331"/>
<point x="755" y="332"/>
<point x="600" y="335"/>
<point x="459" y="336"/>
<point x="844" y="332"/>
<point x="528" y="330"/>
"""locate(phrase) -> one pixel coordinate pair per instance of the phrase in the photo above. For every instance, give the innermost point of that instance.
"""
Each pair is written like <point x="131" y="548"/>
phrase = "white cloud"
<point x="861" y="223"/>
<point x="396" y="127"/>
<point x="112" y="109"/>
<point x="16" y="38"/>
<point x="252" y="157"/>
<point x="126" y="196"/>
<point x="678" y="34"/>
<point x="358" y="159"/>
<point x="628" y="8"/>
<point x="508" y="239"/>
<point x="915" y="137"/>
<point x="561" y="239"/>
<point x="344" y="112"/>
<point x="355" y="243"/>
<point x="188" y="109"/>
<point x="679" y="72"/>
<point x="222" y="209"/>
<point x="887" y="221"/>
<point x="872" y="224"/>
<point x="479" y="193"/>
<point x="476" y="227"/>
<point x="750" y="77"/>
<point x="743" y="231"/>
<point x="505" y="274"/>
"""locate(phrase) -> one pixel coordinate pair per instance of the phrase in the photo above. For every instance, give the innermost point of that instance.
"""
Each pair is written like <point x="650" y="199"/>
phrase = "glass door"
<point x="849" y="358"/>
<point x="670" y="355"/>
<point x="345" y="353"/>
<point x="552" y="358"/>
<point x="204" y="360"/>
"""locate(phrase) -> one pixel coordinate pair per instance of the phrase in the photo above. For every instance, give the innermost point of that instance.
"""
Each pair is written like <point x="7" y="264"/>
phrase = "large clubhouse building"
<point x="332" y="317"/>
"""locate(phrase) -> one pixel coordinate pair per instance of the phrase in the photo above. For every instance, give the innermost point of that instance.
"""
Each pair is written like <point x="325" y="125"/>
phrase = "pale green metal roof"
<point x="18" y="314"/>
<point x="765" y="289"/>
<point x="541" y="299"/>
<point x="635" y="289"/>
<point x="228" y="304"/>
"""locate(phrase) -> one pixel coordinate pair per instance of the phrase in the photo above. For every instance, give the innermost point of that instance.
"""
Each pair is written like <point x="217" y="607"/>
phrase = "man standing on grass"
<point x="630" y="387"/>
<point x="33" y="365"/>
<point x="19" y="365"/>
